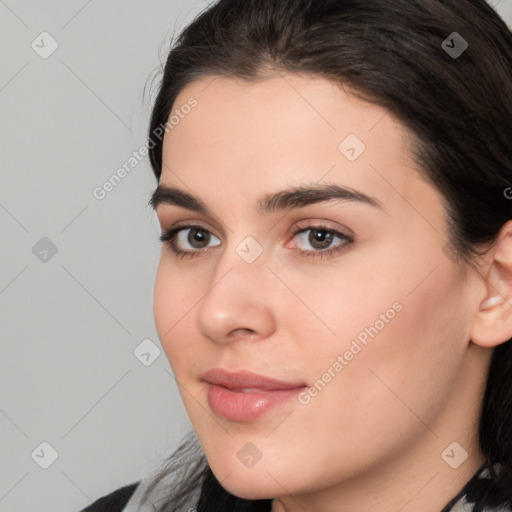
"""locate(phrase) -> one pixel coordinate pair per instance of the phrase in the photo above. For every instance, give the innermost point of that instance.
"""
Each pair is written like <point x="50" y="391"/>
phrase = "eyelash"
<point x="168" y="237"/>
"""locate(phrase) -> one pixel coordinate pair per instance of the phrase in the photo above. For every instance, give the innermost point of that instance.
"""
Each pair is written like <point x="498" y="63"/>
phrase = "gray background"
<point x="71" y="321"/>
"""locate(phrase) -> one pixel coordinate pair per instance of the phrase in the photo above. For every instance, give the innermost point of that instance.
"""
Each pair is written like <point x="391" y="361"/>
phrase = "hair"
<point x="458" y="111"/>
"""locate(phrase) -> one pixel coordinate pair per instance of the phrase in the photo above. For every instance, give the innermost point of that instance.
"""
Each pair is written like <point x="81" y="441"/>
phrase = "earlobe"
<point x="492" y="324"/>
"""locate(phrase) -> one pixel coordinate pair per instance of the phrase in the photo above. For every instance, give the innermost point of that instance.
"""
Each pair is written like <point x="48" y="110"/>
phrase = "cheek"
<point x="164" y="304"/>
<point x="408" y="367"/>
<point x="173" y="301"/>
<point x="398" y="341"/>
<point x="334" y="310"/>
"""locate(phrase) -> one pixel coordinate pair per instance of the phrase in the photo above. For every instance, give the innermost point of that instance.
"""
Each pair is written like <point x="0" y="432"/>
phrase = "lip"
<point x="243" y="396"/>
<point x="243" y="379"/>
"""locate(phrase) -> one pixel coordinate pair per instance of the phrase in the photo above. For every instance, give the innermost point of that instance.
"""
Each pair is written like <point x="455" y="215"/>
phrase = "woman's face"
<point x="355" y="300"/>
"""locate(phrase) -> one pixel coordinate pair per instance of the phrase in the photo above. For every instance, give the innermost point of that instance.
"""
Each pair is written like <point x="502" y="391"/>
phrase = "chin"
<point x="251" y="488"/>
<point x="248" y="483"/>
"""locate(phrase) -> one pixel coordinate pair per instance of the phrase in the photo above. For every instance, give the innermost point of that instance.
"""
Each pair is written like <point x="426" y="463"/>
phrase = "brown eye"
<point x="198" y="237"/>
<point x="187" y="240"/>
<point x="320" y="238"/>
<point x="320" y="241"/>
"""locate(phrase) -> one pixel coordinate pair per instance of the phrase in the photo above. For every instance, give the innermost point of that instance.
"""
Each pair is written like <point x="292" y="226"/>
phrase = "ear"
<point x="492" y="324"/>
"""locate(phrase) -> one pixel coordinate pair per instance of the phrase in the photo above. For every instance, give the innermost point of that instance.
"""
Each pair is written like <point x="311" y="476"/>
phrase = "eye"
<point x="178" y="237"/>
<point x="321" y="238"/>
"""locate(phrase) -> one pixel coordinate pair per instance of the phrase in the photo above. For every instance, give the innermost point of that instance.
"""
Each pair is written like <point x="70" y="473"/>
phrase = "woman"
<point x="335" y="282"/>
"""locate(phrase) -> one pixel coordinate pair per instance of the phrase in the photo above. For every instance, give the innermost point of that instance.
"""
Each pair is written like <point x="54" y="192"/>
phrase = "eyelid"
<point x="299" y="229"/>
<point x="188" y="224"/>
<point x="292" y="230"/>
<point x="317" y="223"/>
<point x="170" y="212"/>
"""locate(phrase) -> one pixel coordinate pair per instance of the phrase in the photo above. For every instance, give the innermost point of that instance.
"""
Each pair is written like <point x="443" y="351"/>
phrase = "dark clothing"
<point x="113" y="502"/>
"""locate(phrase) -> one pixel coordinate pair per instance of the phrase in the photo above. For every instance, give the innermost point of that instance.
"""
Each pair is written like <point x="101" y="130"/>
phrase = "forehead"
<point x="252" y="137"/>
<point x="283" y="98"/>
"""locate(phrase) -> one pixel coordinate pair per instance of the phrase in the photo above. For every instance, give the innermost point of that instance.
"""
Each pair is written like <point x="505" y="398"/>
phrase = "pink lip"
<point x="226" y="398"/>
<point x="243" y="379"/>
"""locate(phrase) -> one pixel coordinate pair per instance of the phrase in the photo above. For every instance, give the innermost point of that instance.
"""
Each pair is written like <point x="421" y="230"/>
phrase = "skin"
<point x="372" y="438"/>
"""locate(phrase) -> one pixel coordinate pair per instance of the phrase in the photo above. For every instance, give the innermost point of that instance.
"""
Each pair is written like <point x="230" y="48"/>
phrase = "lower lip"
<point x="240" y="406"/>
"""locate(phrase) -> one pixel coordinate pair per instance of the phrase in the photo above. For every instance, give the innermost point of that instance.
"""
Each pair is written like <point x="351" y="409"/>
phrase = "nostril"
<point x="242" y="331"/>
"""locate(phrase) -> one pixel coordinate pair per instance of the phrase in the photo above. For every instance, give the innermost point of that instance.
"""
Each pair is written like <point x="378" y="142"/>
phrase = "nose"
<point x="237" y="304"/>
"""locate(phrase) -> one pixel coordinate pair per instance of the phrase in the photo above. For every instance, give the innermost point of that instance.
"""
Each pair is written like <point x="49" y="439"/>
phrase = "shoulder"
<point x="113" y="502"/>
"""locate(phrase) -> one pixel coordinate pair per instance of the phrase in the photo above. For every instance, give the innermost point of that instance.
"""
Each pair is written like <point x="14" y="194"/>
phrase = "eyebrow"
<point x="296" y="197"/>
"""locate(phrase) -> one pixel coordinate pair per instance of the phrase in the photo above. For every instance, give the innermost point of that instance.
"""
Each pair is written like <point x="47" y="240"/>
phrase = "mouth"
<point x="245" y="396"/>
<point x="247" y="382"/>
<point x="250" y="390"/>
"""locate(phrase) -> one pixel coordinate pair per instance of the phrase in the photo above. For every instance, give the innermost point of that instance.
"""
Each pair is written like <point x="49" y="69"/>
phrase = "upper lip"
<point x="243" y="379"/>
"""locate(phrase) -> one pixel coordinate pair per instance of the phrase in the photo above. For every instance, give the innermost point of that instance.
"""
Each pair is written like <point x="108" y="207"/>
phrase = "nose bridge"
<point x="237" y="297"/>
<point x="243" y="260"/>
